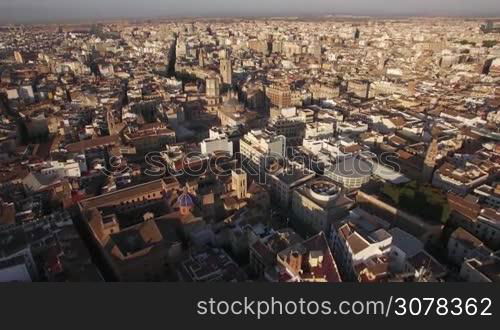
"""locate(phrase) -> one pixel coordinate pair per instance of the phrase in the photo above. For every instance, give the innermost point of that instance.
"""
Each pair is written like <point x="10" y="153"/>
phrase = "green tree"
<point x="489" y="43"/>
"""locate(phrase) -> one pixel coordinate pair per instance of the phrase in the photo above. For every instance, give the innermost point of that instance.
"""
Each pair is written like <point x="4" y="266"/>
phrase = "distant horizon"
<point x="208" y="17"/>
<point x="60" y="11"/>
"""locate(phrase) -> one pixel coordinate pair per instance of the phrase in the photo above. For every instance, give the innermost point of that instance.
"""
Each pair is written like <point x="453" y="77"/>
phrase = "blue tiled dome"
<point x="185" y="200"/>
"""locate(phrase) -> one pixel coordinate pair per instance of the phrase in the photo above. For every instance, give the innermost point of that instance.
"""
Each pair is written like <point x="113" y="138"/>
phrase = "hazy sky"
<point x="47" y="10"/>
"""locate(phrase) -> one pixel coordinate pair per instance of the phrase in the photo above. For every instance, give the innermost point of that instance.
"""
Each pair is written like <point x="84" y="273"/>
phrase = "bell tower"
<point x="430" y="161"/>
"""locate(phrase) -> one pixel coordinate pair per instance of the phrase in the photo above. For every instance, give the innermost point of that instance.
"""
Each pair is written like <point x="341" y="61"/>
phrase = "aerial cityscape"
<point x="327" y="148"/>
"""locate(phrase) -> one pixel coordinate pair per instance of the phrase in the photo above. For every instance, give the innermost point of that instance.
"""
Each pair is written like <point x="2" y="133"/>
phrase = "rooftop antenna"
<point x="424" y="271"/>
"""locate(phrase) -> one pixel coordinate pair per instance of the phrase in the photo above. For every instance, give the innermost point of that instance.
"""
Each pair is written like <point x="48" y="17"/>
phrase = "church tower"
<point x="239" y="183"/>
<point x="201" y="58"/>
<point x="430" y="161"/>
<point x="226" y="71"/>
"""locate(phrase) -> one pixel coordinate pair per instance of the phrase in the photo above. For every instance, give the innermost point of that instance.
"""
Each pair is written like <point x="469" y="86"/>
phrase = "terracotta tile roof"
<point x="93" y="143"/>
<point x="357" y="243"/>
<point x="316" y="248"/>
<point x="466" y="238"/>
<point x="462" y="206"/>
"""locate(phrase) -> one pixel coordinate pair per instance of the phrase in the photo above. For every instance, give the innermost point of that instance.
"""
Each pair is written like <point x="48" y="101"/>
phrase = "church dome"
<point x="185" y="200"/>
